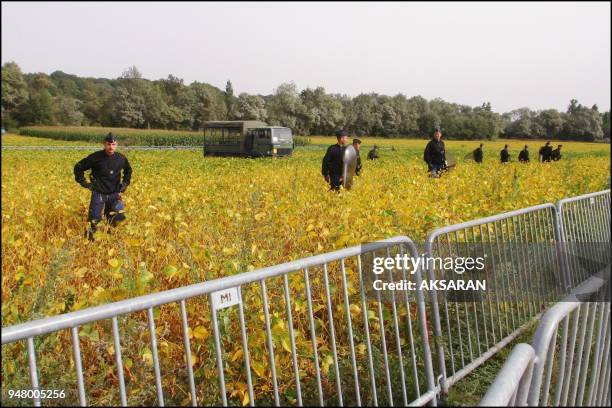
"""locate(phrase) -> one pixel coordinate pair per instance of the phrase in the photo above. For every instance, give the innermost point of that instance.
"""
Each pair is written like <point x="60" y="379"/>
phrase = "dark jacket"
<point x="524" y="155"/>
<point x="478" y="155"/>
<point x="105" y="172"/>
<point x="435" y="153"/>
<point x="556" y="154"/>
<point x="546" y="152"/>
<point x="504" y="156"/>
<point x="332" y="161"/>
<point x="358" y="168"/>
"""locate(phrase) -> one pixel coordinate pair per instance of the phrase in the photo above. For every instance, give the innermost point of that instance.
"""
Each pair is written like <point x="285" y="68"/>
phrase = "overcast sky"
<point x="511" y="54"/>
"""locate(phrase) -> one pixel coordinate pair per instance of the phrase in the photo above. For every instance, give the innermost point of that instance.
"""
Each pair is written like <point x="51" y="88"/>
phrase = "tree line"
<point x="135" y="102"/>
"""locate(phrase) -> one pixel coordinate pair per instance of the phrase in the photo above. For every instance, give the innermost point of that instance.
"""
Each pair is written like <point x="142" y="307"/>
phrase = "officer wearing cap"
<point x="332" y="161"/>
<point x="357" y="145"/>
<point x="105" y="183"/>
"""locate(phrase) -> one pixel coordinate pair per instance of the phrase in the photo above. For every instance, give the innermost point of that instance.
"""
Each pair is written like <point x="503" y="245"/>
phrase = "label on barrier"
<point x="592" y="200"/>
<point x="225" y="298"/>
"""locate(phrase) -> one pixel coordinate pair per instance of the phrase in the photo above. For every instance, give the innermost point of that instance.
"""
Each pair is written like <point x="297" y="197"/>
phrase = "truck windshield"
<point x="282" y="133"/>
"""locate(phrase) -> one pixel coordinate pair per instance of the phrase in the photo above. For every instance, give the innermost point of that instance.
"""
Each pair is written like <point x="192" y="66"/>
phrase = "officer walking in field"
<point x="504" y="155"/>
<point x="105" y="183"/>
<point x="332" y="161"/>
<point x="373" y="153"/>
<point x="478" y="154"/>
<point x="524" y="155"/>
<point x="357" y="146"/>
<point x="556" y="154"/>
<point x="435" y="154"/>
<point x="546" y="152"/>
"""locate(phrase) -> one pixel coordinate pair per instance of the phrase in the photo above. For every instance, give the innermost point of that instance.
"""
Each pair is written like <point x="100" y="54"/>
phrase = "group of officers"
<point x="545" y="154"/>
<point x="434" y="155"/>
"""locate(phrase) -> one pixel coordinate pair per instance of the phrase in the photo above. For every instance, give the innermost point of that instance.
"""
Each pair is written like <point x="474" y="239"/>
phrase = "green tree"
<point x="14" y="93"/>
<point x="322" y="113"/>
<point x="551" y="121"/>
<point x="582" y="123"/>
<point x="39" y="109"/>
<point x="67" y="111"/>
<point x="285" y="108"/>
<point x="229" y="100"/>
<point x="250" y="107"/>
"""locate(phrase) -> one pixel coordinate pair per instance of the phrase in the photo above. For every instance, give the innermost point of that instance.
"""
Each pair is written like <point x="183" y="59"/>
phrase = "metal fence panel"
<point x="523" y="276"/>
<point x="303" y="332"/>
<point x="568" y="363"/>
<point x="577" y="376"/>
<point x="584" y="222"/>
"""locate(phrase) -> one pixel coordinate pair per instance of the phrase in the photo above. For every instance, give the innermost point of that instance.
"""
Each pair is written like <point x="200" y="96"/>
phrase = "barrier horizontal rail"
<point x="380" y="373"/>
<point x="522" y="273"/>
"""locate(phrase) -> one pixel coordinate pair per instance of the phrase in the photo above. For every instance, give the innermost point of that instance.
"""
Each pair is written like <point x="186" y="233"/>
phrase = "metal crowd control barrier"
<point x="345" y="348"/>
<point x="522" y="273"/>
<point x="581" y="374"/>
<point x="584" y="223"/>
<point x="511" y="385"/>
<point x="584" y="347"/>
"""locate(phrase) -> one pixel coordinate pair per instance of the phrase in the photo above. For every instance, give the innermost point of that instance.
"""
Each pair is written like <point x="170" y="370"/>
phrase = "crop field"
<point x="192" y="219"/>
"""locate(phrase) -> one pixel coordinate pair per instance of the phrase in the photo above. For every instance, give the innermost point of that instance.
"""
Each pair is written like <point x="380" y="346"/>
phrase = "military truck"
<point x="247" y="138"/>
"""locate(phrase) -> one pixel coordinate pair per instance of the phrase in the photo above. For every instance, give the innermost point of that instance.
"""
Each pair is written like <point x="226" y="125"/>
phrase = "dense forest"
<point x="135" y="102"/>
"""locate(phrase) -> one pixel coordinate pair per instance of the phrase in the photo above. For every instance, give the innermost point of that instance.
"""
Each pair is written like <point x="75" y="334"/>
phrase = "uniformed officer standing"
<point x="546" y="152"/>
<point x="373" y="154"/>
<point x="435" y="154"/>
<point x="504" y="155"/>
<point x="556" y="154"/>
<point x="332" y="161"/>
<point x="105" y="183"/>
<point x="357" y="146"/>
<point x="478" y="154"/>
<point x="524" y="155"/>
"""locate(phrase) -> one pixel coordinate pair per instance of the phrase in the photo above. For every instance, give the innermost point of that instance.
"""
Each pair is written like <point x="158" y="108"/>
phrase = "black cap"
<point x="356" y="141"/>
<point x="437" y="129"/>
<point x="110" y="138"/>
<point x="341" y="133"/>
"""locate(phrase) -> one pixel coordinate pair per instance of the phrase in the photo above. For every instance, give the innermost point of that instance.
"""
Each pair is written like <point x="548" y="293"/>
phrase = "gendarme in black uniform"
<point x="504" y="155"/>
<point x="332" y="165"/>
<point x="435" y="154"/>
<point x="105" y="185"/>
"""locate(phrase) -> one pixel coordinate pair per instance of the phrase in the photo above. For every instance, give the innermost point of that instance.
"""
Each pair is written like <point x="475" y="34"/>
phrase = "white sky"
<point x="512" y="54"/>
